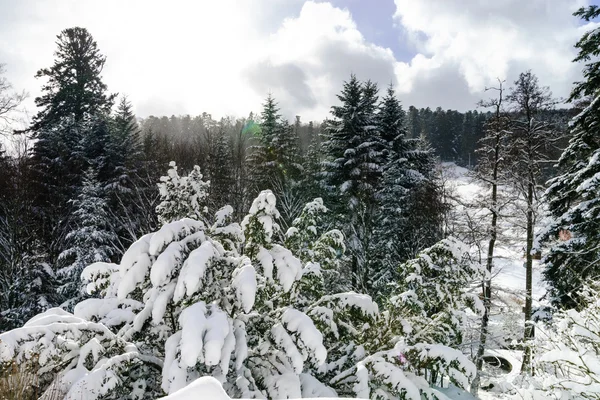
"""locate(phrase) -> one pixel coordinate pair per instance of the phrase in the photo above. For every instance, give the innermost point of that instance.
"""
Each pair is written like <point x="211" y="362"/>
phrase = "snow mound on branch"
<point x="135" y="265"/>
<point x="289" y="268"/>
<point x="208" y="388"/>
<point x="300" y="323"/>
<point x="244" y="281"/>
<point x="205" y="388"/>
<point x="172" y="232"/>
<point x="193" y="270"/>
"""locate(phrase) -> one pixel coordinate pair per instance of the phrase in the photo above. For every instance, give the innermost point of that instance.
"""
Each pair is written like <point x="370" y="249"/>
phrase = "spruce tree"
<point x="126" y="151"/>
<point x="220" y="170"/>
<point x="263" y="158"/>
<point x="275" y="161"/>
<point x="74" y="100"/>
<point x="90" y="241"/>
<point x="74" y="88"/>
<point x="397" y="181"/>
<point x="408" y="196"/>
<point x="353" y="169"/>
<point x="573" y="195"/>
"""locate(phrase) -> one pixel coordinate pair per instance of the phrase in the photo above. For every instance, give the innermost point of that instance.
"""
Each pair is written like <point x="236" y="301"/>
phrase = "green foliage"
<point x="74" y="88"/>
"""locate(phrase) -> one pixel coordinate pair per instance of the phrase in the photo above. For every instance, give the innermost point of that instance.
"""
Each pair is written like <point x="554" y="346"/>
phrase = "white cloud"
<point x="224" y="56"/>
<point x="485" y="40"/>
<point x="305" y="62"/>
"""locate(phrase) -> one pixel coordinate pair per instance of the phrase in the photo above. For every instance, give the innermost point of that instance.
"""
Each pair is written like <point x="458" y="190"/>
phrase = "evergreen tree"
<point x="353" y="169"/>
<point x="263" y="157"/>
<point x="574" y="195"/>
<point x="435" y="310"/>
<point x="126" y="151"/>
<point x="74" y="88"/>
<point x="73" y="105"/>
<point x="56" y="165"/>
<point x="409" y="199"/>
<point x="182" y="196"/>
<point x="220" y="170"/>
<point x="312" y="183"/>
<point x="90" y="241"/>
<point x="397" y="181"/>
<point x="275" y="161"/>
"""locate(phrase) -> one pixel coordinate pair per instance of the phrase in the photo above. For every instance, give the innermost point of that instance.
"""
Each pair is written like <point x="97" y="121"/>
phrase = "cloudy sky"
<point x="224" y="56"/>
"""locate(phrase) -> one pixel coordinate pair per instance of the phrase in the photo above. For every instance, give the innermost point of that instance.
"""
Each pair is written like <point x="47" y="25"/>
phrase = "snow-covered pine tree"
<point x="432" y="293"/>
<point x="262" y="157"/>
<point x="75" y="358"/>
<point x="182" y="196"/>
<point x="408" y="196"/>
<point x="31" y="291"/>
<point x="311" y="183"/>
<point x="352" y="171"/>
<point x="398" y="179"/>
<point x="91" y="239"/>
<point x="220" y="170"/>
<point x="126" y="148"/>
<point x="275" y="161"/>
<point x="313" y="245"/>
<point x="574" y="195"/>
<point x="73" y="93"/>
<point x="55" y="178"/>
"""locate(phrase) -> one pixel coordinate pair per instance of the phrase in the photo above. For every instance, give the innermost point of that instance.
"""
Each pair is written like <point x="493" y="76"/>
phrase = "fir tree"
<point x="126" y="151"/>
<point x="408" y="198"/>
<point x="74" y="88"/>
<point x="574" y="194"/>
<point x="263" y="157"/>
<point x="275" y="161"/>
<point x="220" y="170"/>
<point x="73" y="105"/>
<point x="353" y="170"/>
<point x="90" y="241"/>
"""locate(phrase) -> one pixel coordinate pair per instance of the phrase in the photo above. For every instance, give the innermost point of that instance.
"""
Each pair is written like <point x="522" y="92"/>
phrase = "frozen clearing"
<point x="509" y="271"/>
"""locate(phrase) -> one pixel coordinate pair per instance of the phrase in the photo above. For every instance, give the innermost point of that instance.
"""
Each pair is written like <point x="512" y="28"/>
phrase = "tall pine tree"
<point x="353" y="169"/>
<point x="74" y="100"/>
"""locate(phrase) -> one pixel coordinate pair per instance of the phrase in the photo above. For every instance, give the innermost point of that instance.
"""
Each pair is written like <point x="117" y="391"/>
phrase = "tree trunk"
<point x="529" y="333"/>
<point x="487" y="283"/>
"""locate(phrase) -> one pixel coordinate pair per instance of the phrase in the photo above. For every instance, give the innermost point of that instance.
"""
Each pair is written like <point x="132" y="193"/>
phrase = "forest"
<point x="259" y="257"/>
